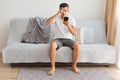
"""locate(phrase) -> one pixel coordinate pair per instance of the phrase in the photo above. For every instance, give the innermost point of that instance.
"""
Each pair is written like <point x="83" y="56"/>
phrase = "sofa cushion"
<point x="29" y="53"/>
<point x="99" y="29"/>
<point x="88" y="35"/>
<point x="79" y="37"/>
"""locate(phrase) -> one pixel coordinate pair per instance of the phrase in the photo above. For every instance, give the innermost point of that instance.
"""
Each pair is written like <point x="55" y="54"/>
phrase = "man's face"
<point x="64" y="11"/>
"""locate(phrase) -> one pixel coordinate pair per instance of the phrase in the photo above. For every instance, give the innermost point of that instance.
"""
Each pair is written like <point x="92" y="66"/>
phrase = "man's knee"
<point x="53" y="45"/>
<point x="75" y="46"/>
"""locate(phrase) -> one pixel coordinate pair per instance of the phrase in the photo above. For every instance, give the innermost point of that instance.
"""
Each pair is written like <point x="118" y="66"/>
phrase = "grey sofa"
<point x="98" y="52"/>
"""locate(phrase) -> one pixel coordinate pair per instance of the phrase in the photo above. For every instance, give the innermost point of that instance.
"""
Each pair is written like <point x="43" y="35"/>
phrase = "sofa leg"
<point x="107" y="66"/>
<point x="12" y="65"/>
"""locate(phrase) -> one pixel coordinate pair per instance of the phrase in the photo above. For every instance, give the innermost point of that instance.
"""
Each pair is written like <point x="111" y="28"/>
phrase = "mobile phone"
<point x="65" y="18"/>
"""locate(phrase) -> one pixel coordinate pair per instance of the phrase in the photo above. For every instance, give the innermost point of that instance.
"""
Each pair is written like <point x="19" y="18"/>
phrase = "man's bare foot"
<point x="51" y="71"/>
<point x="76" y="70"/>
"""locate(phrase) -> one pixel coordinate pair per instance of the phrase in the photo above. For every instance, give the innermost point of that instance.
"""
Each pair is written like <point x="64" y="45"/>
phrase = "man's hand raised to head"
<point x="59" y="13"/>
<point x="52" y="18"/>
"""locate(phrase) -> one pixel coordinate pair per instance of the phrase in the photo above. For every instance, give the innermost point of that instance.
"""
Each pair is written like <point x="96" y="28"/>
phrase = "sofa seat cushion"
<point x="30" y="53"/>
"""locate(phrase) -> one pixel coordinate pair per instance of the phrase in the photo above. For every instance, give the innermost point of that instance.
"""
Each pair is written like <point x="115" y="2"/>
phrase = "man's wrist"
<point x="56" y="15"/>
<point x="68" y="25"/>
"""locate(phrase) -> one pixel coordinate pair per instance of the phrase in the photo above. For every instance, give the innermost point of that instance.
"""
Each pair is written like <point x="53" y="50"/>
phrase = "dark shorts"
<point x="64" y="42"/>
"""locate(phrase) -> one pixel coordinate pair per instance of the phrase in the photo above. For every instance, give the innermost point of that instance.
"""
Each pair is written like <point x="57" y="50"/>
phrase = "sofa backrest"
<point x="18" y="27"/>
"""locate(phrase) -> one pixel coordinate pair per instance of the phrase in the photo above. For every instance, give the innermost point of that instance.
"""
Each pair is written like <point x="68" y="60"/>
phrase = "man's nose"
<point x="63" y="13"/>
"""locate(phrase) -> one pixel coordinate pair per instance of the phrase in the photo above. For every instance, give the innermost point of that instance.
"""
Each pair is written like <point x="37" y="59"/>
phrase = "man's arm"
<point x="72" y="29"/>
<point x="51" y="19"/>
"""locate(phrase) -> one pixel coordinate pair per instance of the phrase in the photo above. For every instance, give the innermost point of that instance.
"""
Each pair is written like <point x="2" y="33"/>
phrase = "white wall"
<point x="118" y="42"/>
<point x="118" y="37"/>
<point x="82" y="9"/>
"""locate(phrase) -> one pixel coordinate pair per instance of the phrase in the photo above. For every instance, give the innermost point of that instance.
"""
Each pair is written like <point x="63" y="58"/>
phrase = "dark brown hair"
<point x="63" y="5"/>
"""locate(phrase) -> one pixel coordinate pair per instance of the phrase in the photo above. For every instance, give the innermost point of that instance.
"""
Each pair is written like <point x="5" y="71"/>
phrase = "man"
<point x="64" y="33"/>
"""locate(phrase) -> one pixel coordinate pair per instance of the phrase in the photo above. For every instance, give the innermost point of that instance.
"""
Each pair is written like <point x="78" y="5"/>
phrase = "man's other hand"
<point x="66" y="23"/>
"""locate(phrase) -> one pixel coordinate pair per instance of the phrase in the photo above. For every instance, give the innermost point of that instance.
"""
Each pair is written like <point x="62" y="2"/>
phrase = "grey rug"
<point x="63" y="74"/>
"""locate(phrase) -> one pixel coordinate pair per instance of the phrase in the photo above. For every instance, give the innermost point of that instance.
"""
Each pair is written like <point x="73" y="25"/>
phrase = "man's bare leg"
<point x="53" y="47"/>
<point x="75" y="57"/>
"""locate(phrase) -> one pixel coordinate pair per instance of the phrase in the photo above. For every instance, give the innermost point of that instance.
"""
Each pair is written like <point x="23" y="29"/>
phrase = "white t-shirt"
<point x="62" y="30"/>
